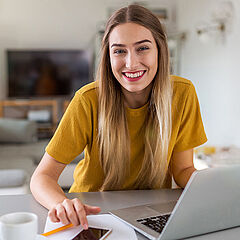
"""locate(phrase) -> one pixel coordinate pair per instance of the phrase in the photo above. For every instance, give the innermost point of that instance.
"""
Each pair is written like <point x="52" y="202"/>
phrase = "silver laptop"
<point x="209" y="203"/>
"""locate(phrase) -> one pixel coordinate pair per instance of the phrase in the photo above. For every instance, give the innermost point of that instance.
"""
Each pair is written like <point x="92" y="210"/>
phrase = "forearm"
<point x="46" y="190"/>
<point x="182" y="178"/>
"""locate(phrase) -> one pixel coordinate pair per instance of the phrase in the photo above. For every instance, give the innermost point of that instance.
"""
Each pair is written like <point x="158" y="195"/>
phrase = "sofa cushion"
<point x="17" y="130"/>
<point x="12" y="178"/>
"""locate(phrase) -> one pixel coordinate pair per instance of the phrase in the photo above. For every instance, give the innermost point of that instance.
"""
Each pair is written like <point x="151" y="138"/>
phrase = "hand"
<point x="72" y="211"/>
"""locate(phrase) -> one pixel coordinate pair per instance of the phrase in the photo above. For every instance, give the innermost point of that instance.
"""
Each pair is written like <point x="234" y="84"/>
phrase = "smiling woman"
<point x="137" y="124"/>
<point x="135" y="42"/>
<point x="134" y="61"/>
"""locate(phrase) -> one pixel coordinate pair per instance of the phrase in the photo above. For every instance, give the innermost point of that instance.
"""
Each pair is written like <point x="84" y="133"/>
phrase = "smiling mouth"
<point x="134" y="76"/>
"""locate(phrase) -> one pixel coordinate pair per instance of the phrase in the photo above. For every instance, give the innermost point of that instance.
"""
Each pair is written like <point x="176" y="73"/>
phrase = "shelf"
<point x="48" y="127"/>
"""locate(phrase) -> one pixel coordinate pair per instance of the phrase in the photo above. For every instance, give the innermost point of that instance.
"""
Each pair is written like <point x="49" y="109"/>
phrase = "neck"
<point x="136" y="99"/>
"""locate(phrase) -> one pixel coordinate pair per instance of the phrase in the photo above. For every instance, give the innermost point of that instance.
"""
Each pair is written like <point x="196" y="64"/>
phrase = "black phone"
<point x="93" y="234"/>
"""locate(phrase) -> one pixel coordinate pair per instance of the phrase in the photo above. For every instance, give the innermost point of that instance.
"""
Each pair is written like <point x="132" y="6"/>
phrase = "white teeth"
<point x="131" y="75"/>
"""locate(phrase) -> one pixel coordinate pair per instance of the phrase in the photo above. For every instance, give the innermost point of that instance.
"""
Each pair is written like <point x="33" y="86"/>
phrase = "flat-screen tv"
<point x="47" y="73"/>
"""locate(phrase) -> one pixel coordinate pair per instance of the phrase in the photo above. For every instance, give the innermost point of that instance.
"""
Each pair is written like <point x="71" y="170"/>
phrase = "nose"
<point x="131" y="61"/>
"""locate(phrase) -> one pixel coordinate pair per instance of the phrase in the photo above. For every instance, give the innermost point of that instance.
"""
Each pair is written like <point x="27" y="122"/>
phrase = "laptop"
<point x="209" y="203"/>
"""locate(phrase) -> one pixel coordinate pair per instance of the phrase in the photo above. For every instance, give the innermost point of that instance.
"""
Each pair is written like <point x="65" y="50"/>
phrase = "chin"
<point x="133" y="89"/>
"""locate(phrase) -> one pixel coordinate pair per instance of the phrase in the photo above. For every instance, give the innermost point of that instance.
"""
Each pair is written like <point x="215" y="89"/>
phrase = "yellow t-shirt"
<point x="78" y="130"/>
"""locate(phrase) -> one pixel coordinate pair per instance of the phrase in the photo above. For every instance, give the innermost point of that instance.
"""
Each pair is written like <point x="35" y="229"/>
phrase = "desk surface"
<point x="107" y="201"/>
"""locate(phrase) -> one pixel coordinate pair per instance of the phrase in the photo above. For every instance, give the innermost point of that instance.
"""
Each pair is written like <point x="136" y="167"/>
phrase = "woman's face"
<point x="133" y="56"/>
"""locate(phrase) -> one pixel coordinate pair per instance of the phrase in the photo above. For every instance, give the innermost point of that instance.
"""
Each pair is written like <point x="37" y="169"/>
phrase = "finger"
<point x="92" y="209"/>
<point x="71" y="213"/>
<point x="79" y="207"/>
<point x="61" y="214"/>
<point x="52" y="215"/>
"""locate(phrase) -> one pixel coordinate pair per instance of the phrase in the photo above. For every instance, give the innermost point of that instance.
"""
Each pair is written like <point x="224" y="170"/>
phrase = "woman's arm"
<point x="44" y="180"/>
<point x="182" y="167"/>
<point x="45" y="188"/>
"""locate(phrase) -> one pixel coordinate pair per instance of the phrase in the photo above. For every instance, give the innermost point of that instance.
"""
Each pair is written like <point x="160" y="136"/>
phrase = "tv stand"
<point x="50" y="104"/>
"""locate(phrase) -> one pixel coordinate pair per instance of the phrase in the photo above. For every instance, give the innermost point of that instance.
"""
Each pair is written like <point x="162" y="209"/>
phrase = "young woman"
<point x="137" y="124"/>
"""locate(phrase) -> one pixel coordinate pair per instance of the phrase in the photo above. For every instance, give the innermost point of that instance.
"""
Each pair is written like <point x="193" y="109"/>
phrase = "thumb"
<point x="91" y="209"/>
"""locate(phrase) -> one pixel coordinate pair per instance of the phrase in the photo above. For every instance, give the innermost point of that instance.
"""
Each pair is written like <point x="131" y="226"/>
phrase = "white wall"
<point x="213" y="67"/>
<point x="64" y="24"/>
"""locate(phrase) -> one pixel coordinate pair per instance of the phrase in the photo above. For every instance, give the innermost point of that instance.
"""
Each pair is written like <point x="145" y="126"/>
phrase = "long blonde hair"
<point x="113" y="132"/>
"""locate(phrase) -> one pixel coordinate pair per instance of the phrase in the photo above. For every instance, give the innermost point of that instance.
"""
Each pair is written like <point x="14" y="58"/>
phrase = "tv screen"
<point x="43" y="73"/>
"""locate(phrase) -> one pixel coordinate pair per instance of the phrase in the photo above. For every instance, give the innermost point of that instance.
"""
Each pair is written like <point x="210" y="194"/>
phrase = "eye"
<point x="143" y="48"/>
<point x="119" y="51"/>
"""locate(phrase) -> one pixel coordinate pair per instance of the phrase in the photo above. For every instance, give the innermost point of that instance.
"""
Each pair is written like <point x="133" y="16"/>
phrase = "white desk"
<point x="108" y="201"/>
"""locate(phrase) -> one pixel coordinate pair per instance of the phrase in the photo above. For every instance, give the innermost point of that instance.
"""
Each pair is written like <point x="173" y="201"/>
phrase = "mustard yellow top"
<point x="77" y="131"/>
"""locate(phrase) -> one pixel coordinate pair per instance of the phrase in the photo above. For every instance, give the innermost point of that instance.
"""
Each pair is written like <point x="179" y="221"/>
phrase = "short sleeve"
<point x="73" y="132"/>
<point x="191" y="131"/>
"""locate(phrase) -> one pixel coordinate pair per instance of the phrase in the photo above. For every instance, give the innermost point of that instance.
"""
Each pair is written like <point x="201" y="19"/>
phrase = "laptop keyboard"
<point x="156" y="223"/>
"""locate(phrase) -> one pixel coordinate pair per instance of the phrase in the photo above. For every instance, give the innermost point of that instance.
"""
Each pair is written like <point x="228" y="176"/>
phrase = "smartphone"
<point x="93" y="234"/>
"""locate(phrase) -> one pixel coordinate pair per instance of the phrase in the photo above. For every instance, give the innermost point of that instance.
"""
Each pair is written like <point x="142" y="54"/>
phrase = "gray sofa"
<point x="20" y="150"/>
<point x="26" y="156"/>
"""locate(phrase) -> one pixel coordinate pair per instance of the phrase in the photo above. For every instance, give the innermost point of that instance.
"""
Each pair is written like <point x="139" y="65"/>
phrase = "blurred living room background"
<point x="49" y="49"/>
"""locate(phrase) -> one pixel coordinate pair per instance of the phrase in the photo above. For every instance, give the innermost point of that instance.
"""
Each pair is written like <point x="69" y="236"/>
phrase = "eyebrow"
<point x="136" y="43"/>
